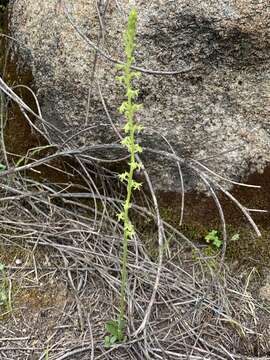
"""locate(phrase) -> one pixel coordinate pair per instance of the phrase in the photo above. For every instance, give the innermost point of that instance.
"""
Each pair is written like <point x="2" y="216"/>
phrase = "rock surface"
<point x="219" y="100"/>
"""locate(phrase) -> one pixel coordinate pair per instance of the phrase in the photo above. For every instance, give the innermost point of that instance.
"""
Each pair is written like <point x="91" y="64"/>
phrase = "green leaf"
<point x="211" y="236"/>
<point x="217" y="243"/>
<point x="116" y="330"/>
<point x="107" y="341"/>
<point x="2" y="267"/>
<point x="113" y="339"/>
<point x="2" y="167"/>
<point x="122" y="324"/>
<point x="112" y="327"/>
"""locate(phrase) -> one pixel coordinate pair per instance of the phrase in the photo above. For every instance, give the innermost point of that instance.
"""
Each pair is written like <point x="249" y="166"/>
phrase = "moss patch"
<point x="247" y="251"/>
<point x="250" y="251"/>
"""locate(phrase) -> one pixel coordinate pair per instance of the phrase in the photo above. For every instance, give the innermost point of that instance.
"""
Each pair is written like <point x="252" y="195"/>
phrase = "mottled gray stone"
<point x="221" y="103"/>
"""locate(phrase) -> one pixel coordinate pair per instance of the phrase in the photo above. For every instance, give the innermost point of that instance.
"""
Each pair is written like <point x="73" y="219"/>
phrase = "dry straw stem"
<point x="207" y="311"/>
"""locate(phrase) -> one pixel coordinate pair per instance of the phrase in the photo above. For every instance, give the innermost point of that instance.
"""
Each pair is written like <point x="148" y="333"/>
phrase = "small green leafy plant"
<point x="213" y="239"/>
<point x="129" y="107"/>
<point x="116" y="330"/>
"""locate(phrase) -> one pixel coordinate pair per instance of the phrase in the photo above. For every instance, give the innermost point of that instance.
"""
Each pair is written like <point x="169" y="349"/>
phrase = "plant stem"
<point x="130" y="109"/>
<point x="126" y="211"/>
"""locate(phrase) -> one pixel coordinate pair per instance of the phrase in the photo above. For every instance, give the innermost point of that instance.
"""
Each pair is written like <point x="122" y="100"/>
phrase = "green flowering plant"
<point x="128" y="108"/>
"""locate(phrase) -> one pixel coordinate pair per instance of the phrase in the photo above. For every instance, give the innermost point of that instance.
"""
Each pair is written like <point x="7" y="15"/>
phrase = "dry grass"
<point x="180" y="305"/>
<point x="67" y="286"/>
